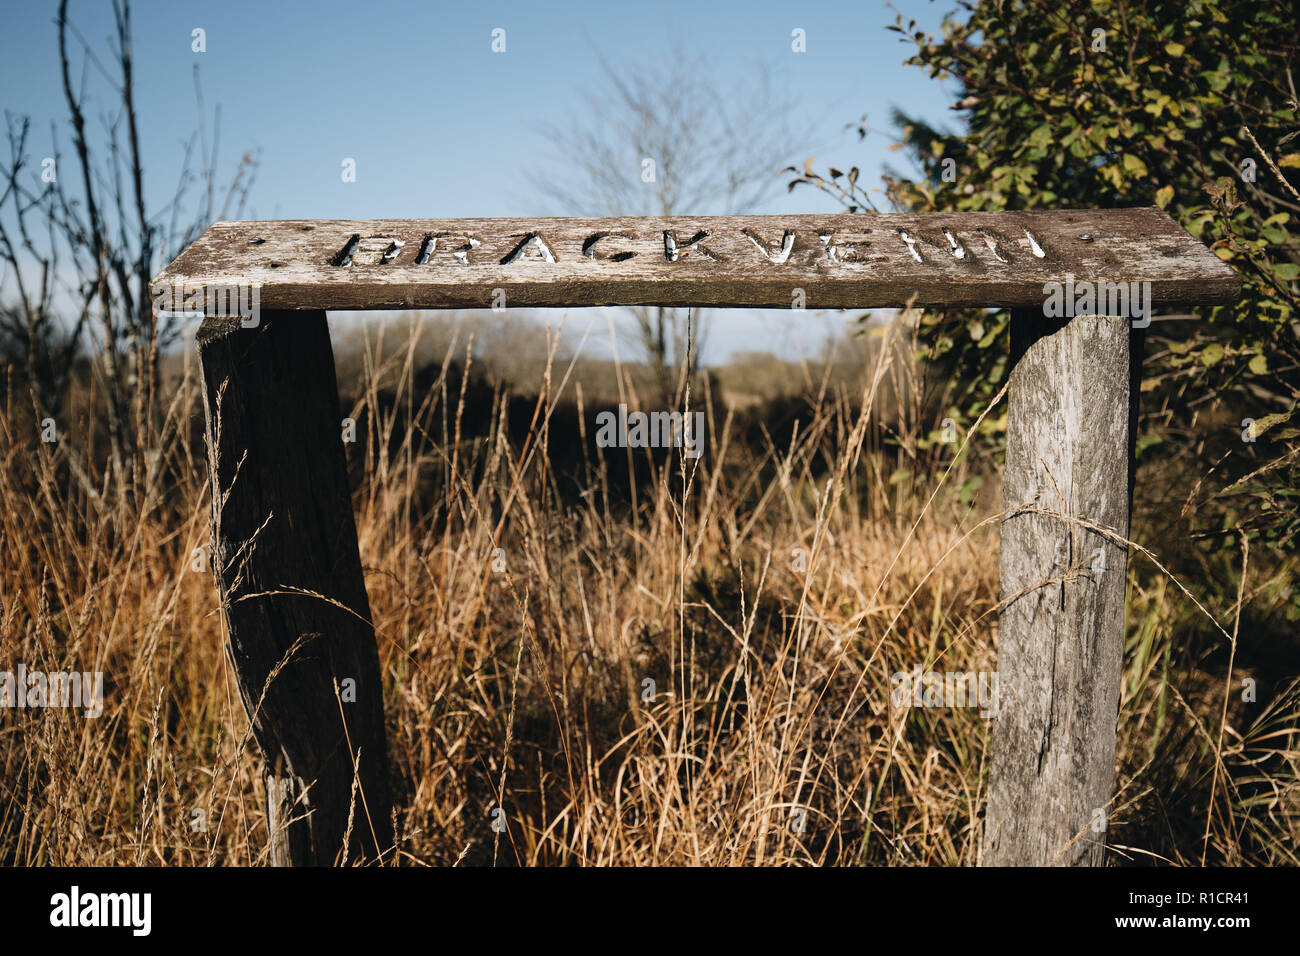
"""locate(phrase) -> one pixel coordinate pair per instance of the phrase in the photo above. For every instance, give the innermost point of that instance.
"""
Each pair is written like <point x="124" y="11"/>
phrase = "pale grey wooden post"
<point x="1070" y="428"/>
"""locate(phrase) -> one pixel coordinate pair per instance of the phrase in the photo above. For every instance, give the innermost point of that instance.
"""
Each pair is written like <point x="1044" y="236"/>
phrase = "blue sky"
<point x="439" y="125"/>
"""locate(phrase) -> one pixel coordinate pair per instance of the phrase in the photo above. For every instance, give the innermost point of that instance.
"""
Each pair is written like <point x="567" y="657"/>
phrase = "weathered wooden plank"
<point x="287" y="566"/>
<point x="999" y="259"/>
<point x="1070" y="421"/>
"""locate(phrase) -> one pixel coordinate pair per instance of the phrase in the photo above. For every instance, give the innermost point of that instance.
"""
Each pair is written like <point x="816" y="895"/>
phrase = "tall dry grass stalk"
<point x="692" y="668"/>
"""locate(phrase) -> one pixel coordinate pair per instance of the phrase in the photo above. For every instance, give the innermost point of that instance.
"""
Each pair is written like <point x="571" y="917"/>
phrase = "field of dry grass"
<point x="768" y="591"/>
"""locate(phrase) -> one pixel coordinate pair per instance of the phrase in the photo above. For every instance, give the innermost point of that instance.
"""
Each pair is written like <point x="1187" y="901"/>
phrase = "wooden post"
<point x="287" y="566"/>
<point x="1071" y="417"/>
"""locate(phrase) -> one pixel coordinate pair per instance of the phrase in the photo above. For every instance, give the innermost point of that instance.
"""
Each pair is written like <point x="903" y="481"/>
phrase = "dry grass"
<point x="523" y="688"/>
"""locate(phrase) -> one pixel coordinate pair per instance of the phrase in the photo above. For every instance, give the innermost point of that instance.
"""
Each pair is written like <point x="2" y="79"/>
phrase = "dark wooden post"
<point x="286" y="562"/>
<point x="1071" y="417"/>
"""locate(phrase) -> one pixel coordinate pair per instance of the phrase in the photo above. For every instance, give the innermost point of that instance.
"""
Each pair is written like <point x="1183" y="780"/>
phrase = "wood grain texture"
<point x="997" y="259"/>
<point x="288" y="569"/>
<point x="1061" y="631"/>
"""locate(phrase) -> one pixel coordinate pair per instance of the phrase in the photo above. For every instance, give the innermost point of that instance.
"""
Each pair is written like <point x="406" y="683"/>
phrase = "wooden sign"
<point x="1002" y="259"/>
<point x="1080" y="285"/>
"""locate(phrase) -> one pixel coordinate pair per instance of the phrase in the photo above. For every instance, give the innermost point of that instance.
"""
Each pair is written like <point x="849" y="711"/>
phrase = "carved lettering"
<point x="369" y="251"/>
<point x="532" y="248"/>
<point x="591" y="252"/>
<point x="692" y="248"/>
<point x="1034" y="247"/>
<point x="933" y="245"/>
<point x="779" y="255"/>
<point x="438" y="246"/>
<point x="991" y="239"/>
<point x="947" y="247"/>
<point x="848" y="247"/>
<point x="344" y="256"/>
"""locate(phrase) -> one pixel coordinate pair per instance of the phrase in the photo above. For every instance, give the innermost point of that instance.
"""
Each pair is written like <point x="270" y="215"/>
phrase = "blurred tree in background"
<point x="696" y="146"/>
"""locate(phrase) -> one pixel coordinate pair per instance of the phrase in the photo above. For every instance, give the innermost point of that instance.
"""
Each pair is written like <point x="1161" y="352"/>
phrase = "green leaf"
<point x="1134" y="165"/>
